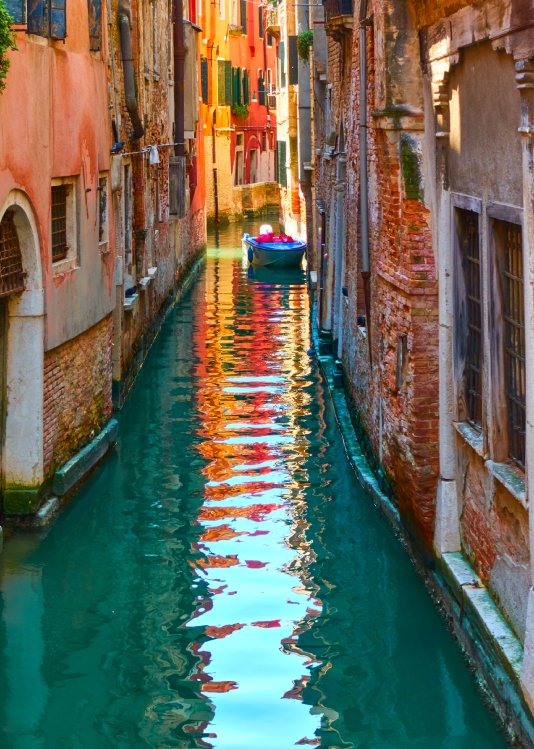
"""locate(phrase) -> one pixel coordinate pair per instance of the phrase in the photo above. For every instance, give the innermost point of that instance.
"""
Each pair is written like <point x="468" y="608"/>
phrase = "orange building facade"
<point x="238" y="110"/>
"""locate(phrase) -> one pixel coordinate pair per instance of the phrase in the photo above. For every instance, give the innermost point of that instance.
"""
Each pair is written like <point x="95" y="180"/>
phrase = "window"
<point x="510" y="247"/>
<point x="17" y="10"/>
<point x="102" y="210"/>
<point x="282" y="60"/>
<point x="224" y="71"/>
<point x="281" y="174"/>
<point x="243" y="9"/>
<point x="469" y="316"/>
<point x="233" y="13"/>
<point x="47" y="18"/>
<point x="204" y="78"/>
<point x="269" y="40"/>
<point x="261" y="27"/>
<point x="261" y="88"/>
<point x="264" y="145"/>
<point x="11" y="270"/>
<point x="222" y="9"/>
<point x="269" y="81"/>
<point x="94" y="10"/>
<point x="59" y="223"/>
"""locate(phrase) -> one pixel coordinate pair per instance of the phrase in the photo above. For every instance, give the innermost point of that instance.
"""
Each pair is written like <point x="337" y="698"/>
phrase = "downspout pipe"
<point x="364" y="185"/>
<point x="179" y="74"/>
<point x="125" y="36"/>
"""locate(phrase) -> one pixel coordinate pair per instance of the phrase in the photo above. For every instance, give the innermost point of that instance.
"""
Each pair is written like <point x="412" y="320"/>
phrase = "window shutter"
<point x="281" y="163"/>
<point x="228" y="82"/>
<point x="37" y="17"/>
<point x="235" y="98"/>
<point x="261" y="28"/>
<point x="239" y="75"/>
<point x="58" y="19"/>
<point x="282" y="48"/>
<point x="221" y="81"/>
<point x="17" y="10"/>
<point x="246" y="87"/>
<point x="204" y="78"/>
<point x="293" y="60"/>
<point x="261" y="91"/>
<point x="94" y="8"/>
<point x="243" y="4"/>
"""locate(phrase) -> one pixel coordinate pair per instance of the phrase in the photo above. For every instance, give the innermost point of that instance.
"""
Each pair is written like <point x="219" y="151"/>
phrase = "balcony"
<point x="338" y="18"/>
<point x="272" y="22"/>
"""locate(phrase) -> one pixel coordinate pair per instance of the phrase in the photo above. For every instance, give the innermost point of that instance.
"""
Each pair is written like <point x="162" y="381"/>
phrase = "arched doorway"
<point x="21" y="357"/>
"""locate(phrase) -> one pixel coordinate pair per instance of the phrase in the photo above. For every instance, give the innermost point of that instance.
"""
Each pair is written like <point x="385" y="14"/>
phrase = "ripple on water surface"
<point x="222" y="581"/>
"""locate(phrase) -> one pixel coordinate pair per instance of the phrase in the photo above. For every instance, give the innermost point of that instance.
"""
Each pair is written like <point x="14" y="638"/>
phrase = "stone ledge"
<point x="77" y="467"/>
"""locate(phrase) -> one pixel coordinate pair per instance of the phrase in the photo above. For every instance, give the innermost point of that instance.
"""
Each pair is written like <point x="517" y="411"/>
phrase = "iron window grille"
<point x="11" y="270"/>
<point x="469" y="242"/>
<point x="514" y="338"/>
<point x="60" y="246"/>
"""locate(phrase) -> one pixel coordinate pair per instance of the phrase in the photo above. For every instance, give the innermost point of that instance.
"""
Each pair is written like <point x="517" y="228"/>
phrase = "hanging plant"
<point x="7" y="42"/>
<point x="240" y="111"/>
<point x="304" y="44"/>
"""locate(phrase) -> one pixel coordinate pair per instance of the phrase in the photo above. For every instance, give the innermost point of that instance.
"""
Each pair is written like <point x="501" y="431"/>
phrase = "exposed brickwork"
<point x="77" y="393"/>
<point x="400" y="417"/>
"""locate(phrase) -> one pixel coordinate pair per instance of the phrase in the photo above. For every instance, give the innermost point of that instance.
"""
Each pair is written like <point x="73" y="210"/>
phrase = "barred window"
<point x="467" y="223"/>
<point x="11" y="271"/>
<point x="511" y="247"/>
<point x="60" y="247"/>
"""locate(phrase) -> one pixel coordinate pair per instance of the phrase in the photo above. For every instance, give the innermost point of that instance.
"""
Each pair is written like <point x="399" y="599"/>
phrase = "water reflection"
<point x="222" y="581"/>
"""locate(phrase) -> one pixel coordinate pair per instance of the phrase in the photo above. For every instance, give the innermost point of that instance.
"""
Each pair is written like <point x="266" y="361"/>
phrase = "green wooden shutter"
<point x="282" y="48"/>
<point x="221" y="82"/>
<point x="204" y="78"/>
<point x="228" y="82"/>
<point x="246" y="87"/>
<point x="235" y="86"/>
<point x="281" y="163"/>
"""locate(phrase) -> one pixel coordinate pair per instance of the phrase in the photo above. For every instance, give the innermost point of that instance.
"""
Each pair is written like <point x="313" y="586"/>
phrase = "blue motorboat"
<point x="270" y="251"/>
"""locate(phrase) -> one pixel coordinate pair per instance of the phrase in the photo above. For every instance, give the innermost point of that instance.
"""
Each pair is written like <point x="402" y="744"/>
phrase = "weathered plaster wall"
<point x="54" y="113"/>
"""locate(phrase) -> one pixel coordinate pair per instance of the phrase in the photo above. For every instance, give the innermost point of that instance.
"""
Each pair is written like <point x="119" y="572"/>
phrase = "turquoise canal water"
<point x="222" y="580"/>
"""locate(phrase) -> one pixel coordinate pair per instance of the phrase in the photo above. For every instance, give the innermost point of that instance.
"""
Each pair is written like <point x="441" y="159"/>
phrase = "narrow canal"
<point x="222" y="580"/>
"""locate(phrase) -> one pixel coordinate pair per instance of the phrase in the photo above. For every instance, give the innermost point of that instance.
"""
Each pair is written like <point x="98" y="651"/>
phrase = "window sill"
<point x="62" y="266"/>
<point x="511" y="477"/>
<point x="104" y="248"/>
<point x="472" y="436"/>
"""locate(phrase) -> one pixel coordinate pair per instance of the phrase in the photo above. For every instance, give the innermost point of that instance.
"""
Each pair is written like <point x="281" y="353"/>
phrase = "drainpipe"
<point x="125" y="34"/>
<point x="364" y="191"/>
<point x="179" y="60"/>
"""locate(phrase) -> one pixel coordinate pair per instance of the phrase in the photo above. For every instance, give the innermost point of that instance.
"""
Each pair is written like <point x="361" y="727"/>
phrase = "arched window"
<point x="11" y="271"/>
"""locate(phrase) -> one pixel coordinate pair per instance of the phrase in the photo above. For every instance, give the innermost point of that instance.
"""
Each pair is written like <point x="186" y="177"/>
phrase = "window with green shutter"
<point x="282" y="48"/>
<point x="221" y="82"/>
<point x="228" y="82"/>
<point x="204" y="78"/>
<point x="246" y="87"/>
<point x="281" y="175"/>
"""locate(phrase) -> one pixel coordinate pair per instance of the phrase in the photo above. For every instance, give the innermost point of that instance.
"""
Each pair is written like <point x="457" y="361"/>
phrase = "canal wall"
<point x="487" y="640"/>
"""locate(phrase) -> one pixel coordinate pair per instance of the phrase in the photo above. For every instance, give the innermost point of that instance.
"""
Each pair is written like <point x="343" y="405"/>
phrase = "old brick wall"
<point x="77" y="393"/>
<point x="396" y="396"/>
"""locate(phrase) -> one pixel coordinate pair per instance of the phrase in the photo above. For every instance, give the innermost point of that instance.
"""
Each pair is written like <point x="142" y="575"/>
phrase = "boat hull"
<point x="274" y="255"/>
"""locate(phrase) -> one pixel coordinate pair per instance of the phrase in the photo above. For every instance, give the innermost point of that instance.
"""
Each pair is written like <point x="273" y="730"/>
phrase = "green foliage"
<point x="304" y="44"/>
<point x="240" y="110"/>
<point x="7" y="42"/>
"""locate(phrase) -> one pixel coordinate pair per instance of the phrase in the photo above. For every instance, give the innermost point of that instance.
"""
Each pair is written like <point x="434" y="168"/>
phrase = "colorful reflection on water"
<point x="222" y="581"/>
